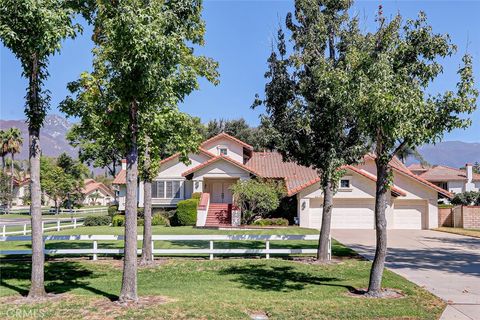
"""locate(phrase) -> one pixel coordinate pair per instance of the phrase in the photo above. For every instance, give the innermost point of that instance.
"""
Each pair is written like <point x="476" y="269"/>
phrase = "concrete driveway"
<point x="445" y="264"/>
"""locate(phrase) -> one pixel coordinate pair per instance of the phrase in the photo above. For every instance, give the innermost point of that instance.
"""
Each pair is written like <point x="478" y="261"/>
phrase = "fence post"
<point x="43" y="226"/>
<point x="153" y="247"/>
<point x="95" y="246"/>
<point x="211" y="248"/>
<point x="267" y="246"/>
<point x="24" y="229"/>
<point x="3" y="230"/>
<point x="58" y="225"/>
<point x="329" y="255"/>
<point x="74" y="223"/>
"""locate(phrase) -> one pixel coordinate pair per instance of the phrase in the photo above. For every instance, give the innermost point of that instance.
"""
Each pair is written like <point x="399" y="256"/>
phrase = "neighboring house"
<point x="223" y="160"/>
<point x="97" y="193"/>
<point x="20" y="191"/>
<point x="451" y="179"/>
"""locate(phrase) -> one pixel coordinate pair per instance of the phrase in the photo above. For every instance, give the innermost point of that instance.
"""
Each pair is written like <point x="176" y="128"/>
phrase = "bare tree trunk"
<point x="11" y="185"/>
<point x="376" y="273"/>
<point x="129" y="278"/>
<point x="37" y="287"/>
<point x="147" y="250"/>
<point x="322" y="253"/>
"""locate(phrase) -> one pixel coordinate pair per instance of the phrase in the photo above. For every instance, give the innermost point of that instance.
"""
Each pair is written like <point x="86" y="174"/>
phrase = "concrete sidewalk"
<point x="445" y="264"/>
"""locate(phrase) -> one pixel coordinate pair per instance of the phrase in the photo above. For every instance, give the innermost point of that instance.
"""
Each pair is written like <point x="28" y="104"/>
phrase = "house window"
<point x="222" y="151"/>
<point x="166" y="189"/>
<point x="345" y="183"/>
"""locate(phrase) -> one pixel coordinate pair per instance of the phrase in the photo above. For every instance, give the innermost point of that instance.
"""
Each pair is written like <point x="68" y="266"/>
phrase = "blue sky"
<point x="239" y="36"/>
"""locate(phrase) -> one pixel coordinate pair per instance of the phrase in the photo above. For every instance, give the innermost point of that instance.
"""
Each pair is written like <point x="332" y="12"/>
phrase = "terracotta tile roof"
<point x="442" y="173"/>
<point x="218" y="158"/>
<point x="271" y="165"/>
<point x="91" y="185"/>
<point x="227" y="136"/>
<point x="121" y="177"/>
<point x="418" y="167"/>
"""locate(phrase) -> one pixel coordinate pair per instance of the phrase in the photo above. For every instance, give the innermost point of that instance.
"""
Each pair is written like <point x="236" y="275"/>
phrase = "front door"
<point x="221" y="192"/>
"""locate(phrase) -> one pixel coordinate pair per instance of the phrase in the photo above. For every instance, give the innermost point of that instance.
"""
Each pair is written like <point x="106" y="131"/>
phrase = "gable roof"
<point x="216" y="159"/>
<point x="176" y="155"/>
<point x="229" y="137"/>
<point x="398" y="166"/>
<point x="121" y="177"/>
<point x="442" y="173"/>
<point x="91" y="185"/>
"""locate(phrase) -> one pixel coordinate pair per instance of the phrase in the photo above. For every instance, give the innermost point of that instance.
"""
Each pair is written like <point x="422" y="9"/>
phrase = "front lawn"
<point x="464" y="232"/>
<point x="218" y="289"/>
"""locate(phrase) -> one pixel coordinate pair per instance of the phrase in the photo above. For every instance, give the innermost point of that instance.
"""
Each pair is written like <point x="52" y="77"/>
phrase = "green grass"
<point x="464" y="232"/>
<point x="220" y="289"/>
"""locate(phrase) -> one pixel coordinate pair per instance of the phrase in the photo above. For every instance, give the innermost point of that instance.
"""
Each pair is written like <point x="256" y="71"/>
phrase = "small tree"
<point x="256" y="198"/>
<point x="396" y="65"/>
<point x="468" y="198"/>
<point x="34" y="30"/>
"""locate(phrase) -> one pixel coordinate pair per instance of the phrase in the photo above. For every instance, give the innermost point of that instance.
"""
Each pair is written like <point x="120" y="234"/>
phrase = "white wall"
<point x="221" y="169"/>
<point x="456" y="186"/>
<point x="235" y="150"/>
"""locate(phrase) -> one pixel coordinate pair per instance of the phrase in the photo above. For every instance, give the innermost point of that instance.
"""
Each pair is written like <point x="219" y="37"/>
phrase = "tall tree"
<point x="310" y="97"/>
<point x="163" y="134"/>
<point x="34" y="30"/>
<point x="397" y="64"/>
<point x="3" y="149"/>
<point x="144" y="61"/>
<point x="14" y="142"/>
<point x="407" y="152"/>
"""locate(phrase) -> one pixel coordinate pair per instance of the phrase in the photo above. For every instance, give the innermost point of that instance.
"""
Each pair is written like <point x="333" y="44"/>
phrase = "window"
<point x="345" y="183"/>
<point x="166" y="189"/>
<point x="222" y="151"/>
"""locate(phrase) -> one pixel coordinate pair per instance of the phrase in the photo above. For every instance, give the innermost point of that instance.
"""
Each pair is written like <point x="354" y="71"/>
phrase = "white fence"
<point x="26" y="210"/>
<point x="56" y="225"/>
<point x="210" y="250"/>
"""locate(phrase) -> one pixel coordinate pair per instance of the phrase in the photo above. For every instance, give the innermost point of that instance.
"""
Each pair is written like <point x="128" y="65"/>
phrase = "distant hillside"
<point x="450" y="153"/>
<point x="52" y="136"/>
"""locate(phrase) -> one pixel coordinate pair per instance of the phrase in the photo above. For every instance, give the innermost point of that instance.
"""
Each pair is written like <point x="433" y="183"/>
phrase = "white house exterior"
<point x="223" y="160"/>
<point x="97" y="193"/>
<point x="451" y="179"/>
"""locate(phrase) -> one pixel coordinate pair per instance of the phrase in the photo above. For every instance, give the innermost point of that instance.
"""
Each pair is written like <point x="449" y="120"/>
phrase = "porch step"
<point x="219" y="215"/>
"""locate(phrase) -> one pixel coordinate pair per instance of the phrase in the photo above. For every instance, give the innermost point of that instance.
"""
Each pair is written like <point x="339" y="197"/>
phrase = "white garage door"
<point x="347" y="214"/>
<point x="408" y="216"/>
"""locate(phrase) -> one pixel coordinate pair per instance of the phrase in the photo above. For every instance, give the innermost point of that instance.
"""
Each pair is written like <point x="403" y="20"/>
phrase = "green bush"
<point x="271" y="222"/>
<point x="196" y="195"/>
<point x="112" y="210"/>
<point x="466" y="198"/>
<point x="140" y="222"/>
<point x="93" y="221"/>
<point x="160" y="220"/>
<point x="186" y="214"/>
<point x="140" y="213"/>
<point x="118" y="220"/>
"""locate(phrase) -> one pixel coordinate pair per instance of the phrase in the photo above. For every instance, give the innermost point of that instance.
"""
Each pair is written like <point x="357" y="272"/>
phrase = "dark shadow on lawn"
<point x="273" y="278"/>
<point x="60" y="277"/>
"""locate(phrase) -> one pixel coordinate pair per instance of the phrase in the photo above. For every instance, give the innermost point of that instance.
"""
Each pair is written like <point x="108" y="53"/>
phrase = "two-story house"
<point x="223" y="160"/>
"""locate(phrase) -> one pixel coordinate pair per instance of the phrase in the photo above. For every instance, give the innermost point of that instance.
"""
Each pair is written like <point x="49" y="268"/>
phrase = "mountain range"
<point x="53" y="142"/>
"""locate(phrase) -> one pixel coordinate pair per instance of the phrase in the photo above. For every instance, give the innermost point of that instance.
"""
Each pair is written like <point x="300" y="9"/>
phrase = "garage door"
<point x="408" y="216"/>
<point x="347" y="214"/>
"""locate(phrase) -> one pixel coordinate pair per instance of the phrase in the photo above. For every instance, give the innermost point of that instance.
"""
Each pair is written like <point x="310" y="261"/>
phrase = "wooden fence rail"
<point x="210" y="250"/>
<point x="56" y="225"/>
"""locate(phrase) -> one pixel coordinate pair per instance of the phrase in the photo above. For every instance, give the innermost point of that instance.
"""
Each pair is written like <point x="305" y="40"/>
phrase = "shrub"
<point x="196" y="195"/>
<point x="140" y="222"/>
<point x="93" y="221"/>
<point x="160" y="220"/>
<point x="112" y="210"/>
<point x="466" y="198"/>
<point x="186" y="214"/>
<point x="118" y="220"/>
<point x="271" y="222"/>
<point x="140" y="213"/>
<point x="257" y="198"/>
